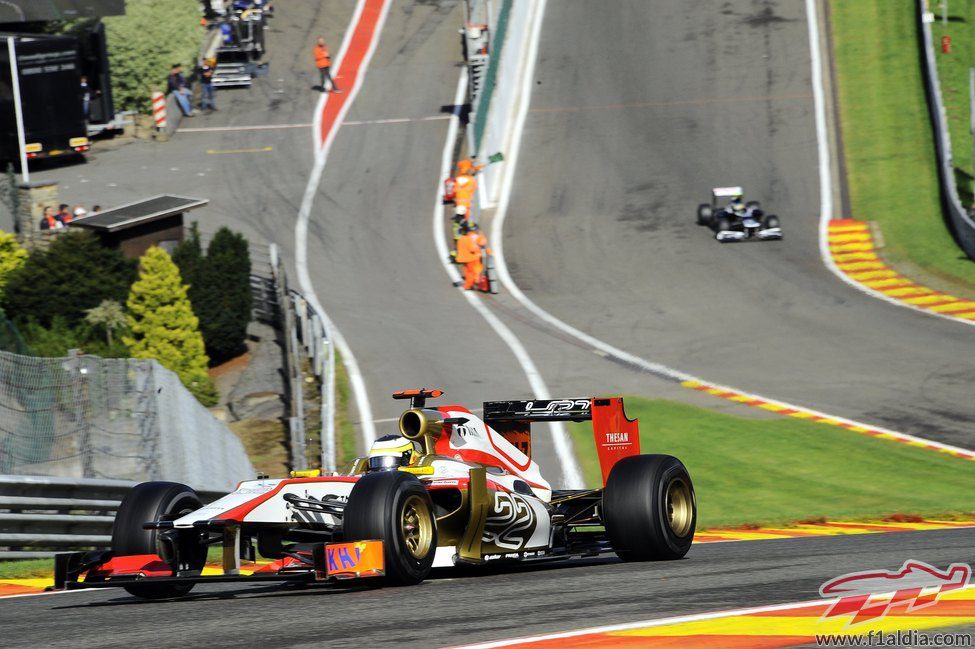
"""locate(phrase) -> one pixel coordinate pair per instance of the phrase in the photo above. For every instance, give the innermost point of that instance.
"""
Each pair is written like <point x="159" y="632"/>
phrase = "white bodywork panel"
<point x="475" y="435"/>
<point x="276" y="509"/>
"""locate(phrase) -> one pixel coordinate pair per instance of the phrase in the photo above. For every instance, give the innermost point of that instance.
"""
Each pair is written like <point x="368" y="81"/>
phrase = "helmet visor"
<point x="384" y="462"/>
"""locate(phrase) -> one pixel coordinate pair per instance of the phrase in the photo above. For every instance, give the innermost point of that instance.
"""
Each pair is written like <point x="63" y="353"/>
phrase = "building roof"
<point x="138" y="213"/>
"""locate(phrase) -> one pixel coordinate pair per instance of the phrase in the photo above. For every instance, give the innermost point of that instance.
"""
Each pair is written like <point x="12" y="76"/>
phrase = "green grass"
<point x="26" y="569"/>
<point x="773" y="471"/>
<point x="345" y="451"/>
<point x="887" y="137"/>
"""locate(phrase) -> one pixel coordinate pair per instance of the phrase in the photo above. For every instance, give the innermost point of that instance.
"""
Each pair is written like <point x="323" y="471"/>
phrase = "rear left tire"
<point x="649" y="508"/>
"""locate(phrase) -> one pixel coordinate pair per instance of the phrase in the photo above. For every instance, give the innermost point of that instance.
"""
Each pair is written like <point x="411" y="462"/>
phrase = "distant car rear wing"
<point x="616" y="435"/>
<point x="719" y="192"/>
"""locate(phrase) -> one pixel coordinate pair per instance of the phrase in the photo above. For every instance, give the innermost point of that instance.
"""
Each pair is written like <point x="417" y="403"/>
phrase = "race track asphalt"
<point x="636" y="114"/>
<point x="452" y="609"/>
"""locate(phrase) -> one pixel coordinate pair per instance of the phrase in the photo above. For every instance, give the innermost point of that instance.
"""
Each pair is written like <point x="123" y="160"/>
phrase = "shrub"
<point x="164" y="327"/>
<point x="74" y="274"/>
<point x="145" y="42"/>
<point x="12" y="257"/>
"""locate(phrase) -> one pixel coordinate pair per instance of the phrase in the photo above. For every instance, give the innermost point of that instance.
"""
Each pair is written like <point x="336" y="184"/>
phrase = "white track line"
<point x="825" y="173"/>
<point x="666" y="621"/>
<point x="304" y="214"/>
<point x="50" y="592"/>
<point x="571" y="473"/>
<point x="681" y="619"/>
<point x="497" y="234"/>
<point x="219" y="129"/>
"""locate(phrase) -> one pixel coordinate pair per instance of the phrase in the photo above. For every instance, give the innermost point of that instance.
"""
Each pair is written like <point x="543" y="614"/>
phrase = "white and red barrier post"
<point x="159" y="109"/>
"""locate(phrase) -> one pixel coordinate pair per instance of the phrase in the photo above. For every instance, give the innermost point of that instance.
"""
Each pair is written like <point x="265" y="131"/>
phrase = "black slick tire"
<point x="146" y="502"/>
<point x="378" y="509"/>
<point x="704" y="214"/>
<point x="649" y="508"/>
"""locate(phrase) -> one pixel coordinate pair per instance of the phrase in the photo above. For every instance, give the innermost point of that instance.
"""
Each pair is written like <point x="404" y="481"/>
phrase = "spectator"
<point x="96" y="209"/>
<point x="85" y="96"/>
<point x="206" y="79"/>
<point x="49" y="221"/>
<point x="323" y="60"/>
<point x="64" y="214"/>
<point x="79" y="212"/>
<point x="177" y="85"/>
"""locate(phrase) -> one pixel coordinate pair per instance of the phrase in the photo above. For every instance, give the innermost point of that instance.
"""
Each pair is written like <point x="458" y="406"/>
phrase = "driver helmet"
<point x="737" y="203"/>
<point x="390" y="452"/>
<point x="461" y="210"/>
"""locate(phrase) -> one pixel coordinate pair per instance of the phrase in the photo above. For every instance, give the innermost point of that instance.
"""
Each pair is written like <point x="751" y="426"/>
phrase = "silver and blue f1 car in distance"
<point x="469" y="494"/>
<point x="732" y="219"/>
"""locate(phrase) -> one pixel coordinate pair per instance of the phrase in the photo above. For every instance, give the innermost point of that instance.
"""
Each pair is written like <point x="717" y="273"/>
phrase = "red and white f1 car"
<point x="451" y="489"/>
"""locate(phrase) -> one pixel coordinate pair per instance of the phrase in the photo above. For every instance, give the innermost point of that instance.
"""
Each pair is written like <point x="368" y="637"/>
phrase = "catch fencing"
<point x="83" y="416"/>
<point x="961" y="223"/>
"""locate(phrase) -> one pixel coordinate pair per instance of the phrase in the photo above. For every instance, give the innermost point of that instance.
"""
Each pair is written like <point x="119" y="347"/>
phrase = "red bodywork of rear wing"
<point x="616" y="435"/>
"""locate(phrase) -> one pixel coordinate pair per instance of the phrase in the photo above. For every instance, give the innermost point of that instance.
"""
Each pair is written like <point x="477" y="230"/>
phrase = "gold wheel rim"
<point x="416" y="527"/>
<point x="680" y="507"/>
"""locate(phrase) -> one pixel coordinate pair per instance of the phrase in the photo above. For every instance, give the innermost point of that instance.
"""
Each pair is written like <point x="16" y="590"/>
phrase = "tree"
<point x="74" y="274"/>
<point x="145" y="42"/>
<point x="219" y="288"/>
<point x="12" y="257"/>
<point x="109" y="315"/>
<point x="188" y="255"/>
<point x="164" y="327"/>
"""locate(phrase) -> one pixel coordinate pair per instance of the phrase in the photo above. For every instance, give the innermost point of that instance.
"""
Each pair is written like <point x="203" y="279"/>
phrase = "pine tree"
<point x="163" y="325"/>
<point x="221" y="295"/>
<point x="12" y="257"/>
<point x="188" y="255"/>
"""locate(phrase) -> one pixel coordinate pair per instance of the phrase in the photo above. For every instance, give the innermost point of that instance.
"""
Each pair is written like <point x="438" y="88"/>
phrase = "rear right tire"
<point x="649" y="508"/>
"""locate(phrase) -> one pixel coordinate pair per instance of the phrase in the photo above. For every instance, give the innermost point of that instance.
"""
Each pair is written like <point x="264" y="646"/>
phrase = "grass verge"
<point x="891" y="168"/>
<point x="345" y="445"/>
<point x="775" y="471"/>
<point x="26" y="569"/>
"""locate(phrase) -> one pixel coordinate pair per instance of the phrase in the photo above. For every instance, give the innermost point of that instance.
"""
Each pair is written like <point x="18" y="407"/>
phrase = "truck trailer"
<point x="44" y="72"/>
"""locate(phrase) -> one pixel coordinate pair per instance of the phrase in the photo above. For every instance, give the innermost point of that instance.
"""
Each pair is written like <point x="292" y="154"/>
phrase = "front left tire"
<point x="147" y="502"/>
<point x="393" y="507"/>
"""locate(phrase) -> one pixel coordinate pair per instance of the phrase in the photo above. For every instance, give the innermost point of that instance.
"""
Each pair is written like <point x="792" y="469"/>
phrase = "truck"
<point x="45" y="72"/>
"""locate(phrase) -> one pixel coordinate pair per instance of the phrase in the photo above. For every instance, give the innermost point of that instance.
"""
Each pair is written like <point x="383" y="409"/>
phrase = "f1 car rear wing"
<point x="719" y="192"/>
<point x="616" y="435"/>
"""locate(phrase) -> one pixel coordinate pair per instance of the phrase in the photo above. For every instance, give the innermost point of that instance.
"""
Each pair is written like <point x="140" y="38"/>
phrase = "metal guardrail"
<point x="41" y="515"/>
<point x="306" y="336"/>
<point x="961" y="223"/>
